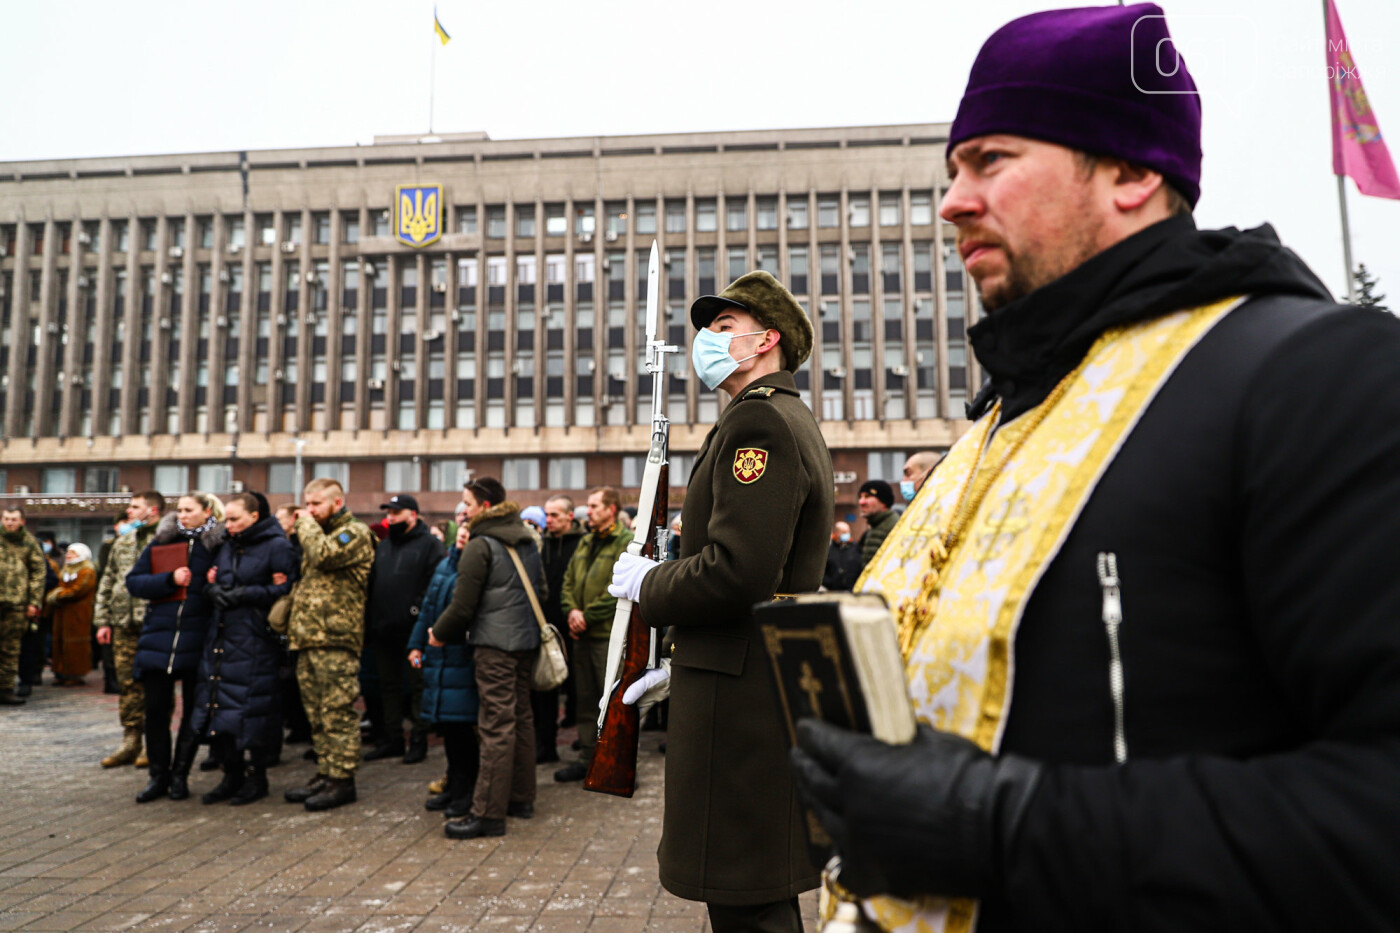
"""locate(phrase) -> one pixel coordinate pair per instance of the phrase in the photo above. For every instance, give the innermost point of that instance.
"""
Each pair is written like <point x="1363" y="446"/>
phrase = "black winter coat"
<point x="398" y="580"/>
<point x="1254" y="511"/>
<point x="555" y="554"/>
<point x="172" y="637"/>
<point x="238" y="691"/>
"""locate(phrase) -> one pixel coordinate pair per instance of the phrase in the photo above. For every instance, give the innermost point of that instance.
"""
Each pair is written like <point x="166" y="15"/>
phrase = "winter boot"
<point x="473" y="827"/>
<point x="8" y="698"/>
<point x="230" y="785"/>
<point x="336" y="793"/>
<point x="417" y="748"/>
<point x="156" y="788"/>
<point x="308" y="790"/>
<point x="128" y="753"/>
<point x="185" y="749"/>
<point x="254" y="786"/>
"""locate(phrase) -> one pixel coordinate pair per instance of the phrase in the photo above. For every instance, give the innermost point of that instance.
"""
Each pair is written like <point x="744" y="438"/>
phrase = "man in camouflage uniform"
<point x="21" y="594"/>
<point x="327" y="629"/>
<point x="118" y="616"/>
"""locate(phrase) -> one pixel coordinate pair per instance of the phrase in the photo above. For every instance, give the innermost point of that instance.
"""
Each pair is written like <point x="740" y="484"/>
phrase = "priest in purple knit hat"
<point x="1148" y="604"/>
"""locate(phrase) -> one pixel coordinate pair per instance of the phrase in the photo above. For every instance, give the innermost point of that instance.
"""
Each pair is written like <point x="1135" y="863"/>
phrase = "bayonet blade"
<point x="653" y="296"/>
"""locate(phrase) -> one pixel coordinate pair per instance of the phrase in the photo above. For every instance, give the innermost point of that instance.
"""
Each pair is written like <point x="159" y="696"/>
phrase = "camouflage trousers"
<point x="329" y="679"/>
<point x="13" y="624"/>
<point x="131" y="705"/>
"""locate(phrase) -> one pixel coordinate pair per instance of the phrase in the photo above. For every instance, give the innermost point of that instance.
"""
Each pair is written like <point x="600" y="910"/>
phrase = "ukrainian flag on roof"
<point x="437" y="27"/>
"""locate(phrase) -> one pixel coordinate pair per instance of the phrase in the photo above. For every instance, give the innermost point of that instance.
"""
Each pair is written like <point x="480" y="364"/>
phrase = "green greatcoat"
<point x="732" y="832"/>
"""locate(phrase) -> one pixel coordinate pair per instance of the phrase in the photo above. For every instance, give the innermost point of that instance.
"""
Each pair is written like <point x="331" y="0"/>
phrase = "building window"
<point x="705" y="221"/>
<point x="768" y="260"/>
<point x="99" y="479"/>
<point x="887" y="465"/>
<point x="338" y="470"/>
<point x="294" y="228"/>
<point x="566" y="473"/>
<point x="646" y="217"/>
<point x="859" y="210"/>
<point x="738" y="262"/>
<point x="828" y="211"/>
<point x="797" y="213"/>
<point x="766" y="214"/>
<point x="680" y="466"/>
<point x="205" y="226"/>
<point x="58" y="481"/>
<point x="282" y="479"/>
<point x="466" y="219"/>
<point x="584" y="222"/>
<point x="496" y="222"/>
<point x="615" y="219"/>
<point x="321" y="227"/>
<point x="267" y="229"/>
<point x="214" y="477"/>
<point x="675" y="217"/>
<point x="921" y="207"/>
<point x="889" y="210"/>
<point x="446" y="475"/>
<point x="401" y="476"/>
<point x="233" y="228"/>
<point x="525" y="220"/>
<point x="520" y="473"/>
<point x="171" y="479"/>
<point x="556" y="221"/>
<point x="350" y="226"/>
<point x="632" y="469"/>
<point x="736" y="214"/>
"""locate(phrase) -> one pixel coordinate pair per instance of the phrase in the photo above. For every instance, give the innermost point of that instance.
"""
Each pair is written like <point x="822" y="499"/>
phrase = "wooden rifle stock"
<point x="613" y="769"/>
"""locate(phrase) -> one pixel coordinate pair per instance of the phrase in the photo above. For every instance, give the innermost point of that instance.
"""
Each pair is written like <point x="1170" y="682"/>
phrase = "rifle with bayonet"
<point x="632" y="648"/>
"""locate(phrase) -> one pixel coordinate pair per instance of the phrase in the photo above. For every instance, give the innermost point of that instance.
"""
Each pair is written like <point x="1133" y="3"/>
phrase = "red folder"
<point x="164" y="559"/>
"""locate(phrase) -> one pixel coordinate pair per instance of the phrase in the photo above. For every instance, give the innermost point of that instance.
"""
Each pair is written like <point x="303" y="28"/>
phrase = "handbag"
<point x="550" y="666"/>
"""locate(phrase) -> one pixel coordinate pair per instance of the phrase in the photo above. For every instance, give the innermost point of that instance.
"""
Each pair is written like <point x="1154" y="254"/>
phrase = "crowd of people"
<point x="305" y="624"/>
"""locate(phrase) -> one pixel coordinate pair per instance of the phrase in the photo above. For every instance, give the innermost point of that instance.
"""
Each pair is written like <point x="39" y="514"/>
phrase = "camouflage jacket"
<point x="328" y="604"/>
<point x="21" y="569"/>
<point x="116" y="606"/>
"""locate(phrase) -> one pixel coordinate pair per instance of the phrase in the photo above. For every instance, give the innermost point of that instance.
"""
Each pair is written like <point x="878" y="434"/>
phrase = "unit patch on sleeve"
<point x="345" y="537"/>
<point x="749" y="464"/>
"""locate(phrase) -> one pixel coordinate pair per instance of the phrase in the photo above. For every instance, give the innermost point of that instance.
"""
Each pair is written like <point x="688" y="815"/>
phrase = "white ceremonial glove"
<point x="627" y="576"/>
<point x="651" y="688"/>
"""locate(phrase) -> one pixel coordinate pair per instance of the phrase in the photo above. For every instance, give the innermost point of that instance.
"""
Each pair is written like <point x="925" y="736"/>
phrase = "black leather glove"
<point x="935" y="816"/>
<point x="225" y="597"/>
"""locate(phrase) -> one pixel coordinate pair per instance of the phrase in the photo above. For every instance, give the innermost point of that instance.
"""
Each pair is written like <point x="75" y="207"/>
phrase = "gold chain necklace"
<point x="915" y="614"/>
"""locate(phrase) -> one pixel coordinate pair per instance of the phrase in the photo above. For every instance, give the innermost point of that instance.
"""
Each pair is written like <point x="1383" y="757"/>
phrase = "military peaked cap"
<point x="771" y="305"/>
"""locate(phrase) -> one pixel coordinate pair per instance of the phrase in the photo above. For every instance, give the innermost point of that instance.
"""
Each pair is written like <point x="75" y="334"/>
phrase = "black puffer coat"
<point x="238" y="677"/>
<point x="172" y="636"/>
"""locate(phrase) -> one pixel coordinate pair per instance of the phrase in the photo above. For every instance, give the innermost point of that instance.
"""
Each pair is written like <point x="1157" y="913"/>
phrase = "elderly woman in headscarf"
<point x="172" y="636"/>
<point x="70" y="605"/>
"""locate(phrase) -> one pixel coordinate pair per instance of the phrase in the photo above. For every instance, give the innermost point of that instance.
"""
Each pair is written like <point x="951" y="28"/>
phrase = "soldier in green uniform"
<point x="118" y="617"/>
<point x="327" y="629"/>
<point x="757" y="519"/>
<point x="21" y="595"/>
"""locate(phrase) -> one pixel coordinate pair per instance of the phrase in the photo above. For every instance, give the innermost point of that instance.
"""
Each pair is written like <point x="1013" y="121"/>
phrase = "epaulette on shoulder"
<point x="767" y="392"/>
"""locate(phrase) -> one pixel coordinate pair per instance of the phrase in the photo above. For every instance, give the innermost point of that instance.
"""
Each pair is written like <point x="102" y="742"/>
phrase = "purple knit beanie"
<point x="1105" y="80"/>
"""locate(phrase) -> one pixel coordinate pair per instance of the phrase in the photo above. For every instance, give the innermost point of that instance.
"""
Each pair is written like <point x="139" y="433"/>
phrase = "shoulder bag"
<point x="550" y="666"/>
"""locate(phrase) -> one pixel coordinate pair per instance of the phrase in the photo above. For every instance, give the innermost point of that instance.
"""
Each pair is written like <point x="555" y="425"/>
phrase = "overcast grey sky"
<point x="101" y="78"/>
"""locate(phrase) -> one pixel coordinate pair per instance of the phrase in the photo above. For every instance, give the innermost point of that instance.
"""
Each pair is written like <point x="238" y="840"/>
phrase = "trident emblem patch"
<point x="749" y="464"/>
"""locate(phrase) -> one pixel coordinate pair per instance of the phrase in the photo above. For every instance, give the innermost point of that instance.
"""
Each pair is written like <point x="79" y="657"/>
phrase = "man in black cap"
<point x="1148" y="602"/>
<point x="404" y="562"/>
<point x="875" y="500"/>
<point x="757" y="519"/>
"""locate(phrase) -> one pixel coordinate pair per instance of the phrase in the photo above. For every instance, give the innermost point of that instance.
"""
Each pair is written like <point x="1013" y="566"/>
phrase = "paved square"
<point x="78" y="853"/>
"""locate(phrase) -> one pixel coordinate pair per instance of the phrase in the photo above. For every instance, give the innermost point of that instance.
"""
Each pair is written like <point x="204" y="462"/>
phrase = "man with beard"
<point x="1148" y="602"/>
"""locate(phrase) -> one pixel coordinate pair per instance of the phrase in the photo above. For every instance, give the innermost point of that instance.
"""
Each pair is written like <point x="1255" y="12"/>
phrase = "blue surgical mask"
<point x="907" y="490"/>
<point x="48" y="548"/>
<point x="845" y="537"/>
<point x="124" y="527"/>
<point x="711" y="359"/>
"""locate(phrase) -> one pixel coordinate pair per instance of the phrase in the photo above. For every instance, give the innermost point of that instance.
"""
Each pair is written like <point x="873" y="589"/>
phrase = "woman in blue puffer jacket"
<point x="172" y="637"/>
<point x="237" y="703"/>
<point x="449" y="689"/>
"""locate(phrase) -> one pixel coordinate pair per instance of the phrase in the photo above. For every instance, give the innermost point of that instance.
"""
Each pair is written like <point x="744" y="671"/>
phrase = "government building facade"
<point x="410" y="313"/>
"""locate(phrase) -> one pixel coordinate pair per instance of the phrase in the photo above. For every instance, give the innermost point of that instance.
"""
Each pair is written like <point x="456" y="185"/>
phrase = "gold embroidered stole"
<point x="961" y="664"/>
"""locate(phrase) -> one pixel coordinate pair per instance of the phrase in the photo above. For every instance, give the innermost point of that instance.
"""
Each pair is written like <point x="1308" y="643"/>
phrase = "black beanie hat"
<point x="880" y="490"/>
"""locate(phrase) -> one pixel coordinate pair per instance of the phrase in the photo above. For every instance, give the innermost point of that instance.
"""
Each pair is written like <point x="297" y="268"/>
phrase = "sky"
<point x="86" y="78"/>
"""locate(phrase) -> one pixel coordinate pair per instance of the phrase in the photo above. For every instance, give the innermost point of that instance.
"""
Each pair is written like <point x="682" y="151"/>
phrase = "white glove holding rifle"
<point x="646" y="691"/>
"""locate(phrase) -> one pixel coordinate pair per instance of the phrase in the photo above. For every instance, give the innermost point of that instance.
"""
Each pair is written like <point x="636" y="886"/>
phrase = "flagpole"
<point x="432" y="76"/>
<point x="1346" y="237"/>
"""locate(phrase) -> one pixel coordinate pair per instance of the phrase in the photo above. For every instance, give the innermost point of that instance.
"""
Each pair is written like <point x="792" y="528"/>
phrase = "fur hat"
<point x="771" y="305"/>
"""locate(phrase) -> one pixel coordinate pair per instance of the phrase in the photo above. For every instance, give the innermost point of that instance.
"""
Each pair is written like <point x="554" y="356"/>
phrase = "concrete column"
<point x="106" y="327"/>
<point x="19" y="332"/>
<point x="49" y="334"/>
